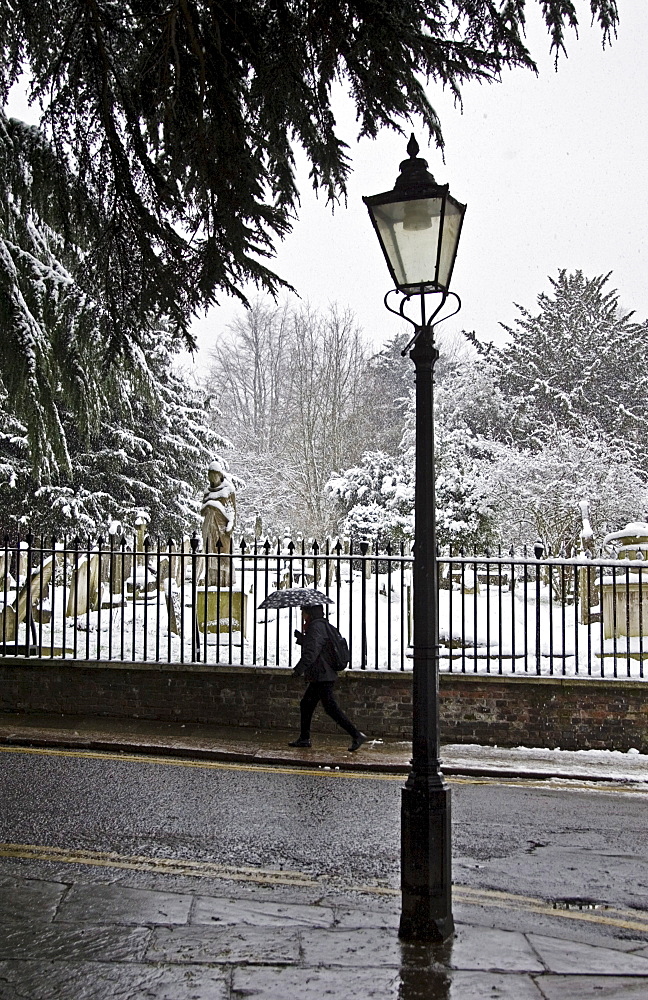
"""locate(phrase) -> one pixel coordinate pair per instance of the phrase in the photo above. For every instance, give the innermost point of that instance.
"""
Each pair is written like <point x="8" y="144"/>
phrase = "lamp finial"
<point x="413" y="171"/>
<point x="413" y="147"/>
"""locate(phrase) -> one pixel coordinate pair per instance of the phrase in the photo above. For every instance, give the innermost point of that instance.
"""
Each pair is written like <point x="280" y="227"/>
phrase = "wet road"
<point x="522" y="837"/>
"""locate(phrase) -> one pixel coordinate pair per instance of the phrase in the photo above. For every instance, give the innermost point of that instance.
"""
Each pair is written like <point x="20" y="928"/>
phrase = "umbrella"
<point x="294" y="597"/>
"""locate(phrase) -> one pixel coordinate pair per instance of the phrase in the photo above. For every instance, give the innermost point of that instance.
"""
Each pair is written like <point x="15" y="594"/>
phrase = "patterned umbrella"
<point x="294" y="597"/>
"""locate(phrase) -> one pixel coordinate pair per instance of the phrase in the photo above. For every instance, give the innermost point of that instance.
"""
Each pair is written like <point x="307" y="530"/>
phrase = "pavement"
<point x="270" y="747"/>
<point x="113" y="927"/>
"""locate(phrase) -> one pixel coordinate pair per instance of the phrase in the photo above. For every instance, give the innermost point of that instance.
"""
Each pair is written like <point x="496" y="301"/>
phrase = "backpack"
<point x="340" y="647"/>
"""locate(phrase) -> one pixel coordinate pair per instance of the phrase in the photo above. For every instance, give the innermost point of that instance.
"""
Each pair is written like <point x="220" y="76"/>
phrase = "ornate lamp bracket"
<point x="426" y="323"/>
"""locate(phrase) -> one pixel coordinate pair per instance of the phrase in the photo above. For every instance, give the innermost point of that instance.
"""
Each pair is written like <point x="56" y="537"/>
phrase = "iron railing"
<point x="137" y="599"/>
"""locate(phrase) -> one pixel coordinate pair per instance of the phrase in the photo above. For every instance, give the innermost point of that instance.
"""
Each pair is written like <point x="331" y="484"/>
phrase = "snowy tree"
<point x="182" y="119"/>
<point x="469" y="400"/>
<point x="375" y="499"/>
<point x="579" y="364"/>
<point x="150" y="451"/>
<point x="519" y="475"/>
<point x="328" y="361"/>
<point x="388" y="380"/>
<point x="465" y="412"/>
<point x="554" y="416"/>
<point x="49" y="325"/>
<point x="82" y="439"/>
<point x="289" y="384"/>
<point x="535" y="491"/>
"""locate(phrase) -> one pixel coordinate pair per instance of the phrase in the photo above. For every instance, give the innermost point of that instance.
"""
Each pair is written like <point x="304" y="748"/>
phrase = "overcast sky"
<point x="552" y="168"/>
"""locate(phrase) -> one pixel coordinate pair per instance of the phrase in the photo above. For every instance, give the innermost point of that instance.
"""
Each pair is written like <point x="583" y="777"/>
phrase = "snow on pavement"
<point x="609" y="765"/>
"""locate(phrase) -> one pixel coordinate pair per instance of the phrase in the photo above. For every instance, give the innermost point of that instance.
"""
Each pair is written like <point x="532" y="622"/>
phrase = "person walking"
<point x="316" y="666"/>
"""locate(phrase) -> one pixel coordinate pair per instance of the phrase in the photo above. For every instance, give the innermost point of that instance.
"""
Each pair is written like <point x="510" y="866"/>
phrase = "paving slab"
<point x="29" y="899"/>
<point x="72" y="942"/>
<point x="490" y="948"/>
<point x="347" y="917"/>
<point x="478" y="986"/>
<point x="564" y="957"/>
<point x="362" y="948"/>
<point x="551" y="923"/>
<point x="314" y="984"/>
<point x="590" y="987"/>
<point x="217" y="911"/>
<point x="381" y="984"/>
<point x="229" y="945"/>
<point x="117" y="904"/>
<point x="101" y="981"/>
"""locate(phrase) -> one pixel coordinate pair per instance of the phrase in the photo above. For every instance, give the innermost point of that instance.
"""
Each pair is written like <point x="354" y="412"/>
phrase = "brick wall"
<point x="572" y="713"/>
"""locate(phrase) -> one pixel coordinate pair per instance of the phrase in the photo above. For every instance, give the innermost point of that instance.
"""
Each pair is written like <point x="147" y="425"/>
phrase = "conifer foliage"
<point x="523" y="431"/>
<point x="578" y="362"/>
<point x="178" y="119"/>
<point x="83" y="440"/>
<point x="49" y="326"/>
<point x="149" y="452"/>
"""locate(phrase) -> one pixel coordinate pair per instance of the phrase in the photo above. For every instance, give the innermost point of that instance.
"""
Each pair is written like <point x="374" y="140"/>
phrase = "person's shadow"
<point x="424" y="972"/>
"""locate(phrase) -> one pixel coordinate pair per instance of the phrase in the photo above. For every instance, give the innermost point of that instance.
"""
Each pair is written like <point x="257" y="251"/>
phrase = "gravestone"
<point x="83" y="595"/>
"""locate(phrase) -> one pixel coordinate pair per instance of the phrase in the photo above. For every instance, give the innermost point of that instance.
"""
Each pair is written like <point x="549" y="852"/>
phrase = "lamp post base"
<point x="426" y="852"/>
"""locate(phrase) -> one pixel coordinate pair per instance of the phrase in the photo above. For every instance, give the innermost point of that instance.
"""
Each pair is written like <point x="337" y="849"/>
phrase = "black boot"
<point x="302" y="742"/>
<point x="358" y="741"/>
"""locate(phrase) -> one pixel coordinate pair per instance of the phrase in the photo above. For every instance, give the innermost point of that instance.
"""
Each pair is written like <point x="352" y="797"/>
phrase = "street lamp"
<point x="418" y="225"/>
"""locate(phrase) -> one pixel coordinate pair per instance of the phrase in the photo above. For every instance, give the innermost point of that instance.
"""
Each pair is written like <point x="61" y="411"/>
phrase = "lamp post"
<point x="418" y="225"/>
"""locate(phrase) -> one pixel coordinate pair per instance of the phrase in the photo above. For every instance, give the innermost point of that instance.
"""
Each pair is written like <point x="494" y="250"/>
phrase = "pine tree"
<point x="578" y="364"/>
<point x="149" y="451"/>
<point x="49" y="325"/>
<point x="375" y="499"/>
<point x="177" y="122"/>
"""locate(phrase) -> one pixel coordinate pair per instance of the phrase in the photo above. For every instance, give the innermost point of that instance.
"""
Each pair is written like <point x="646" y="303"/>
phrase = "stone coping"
<point x="377" y="676"/>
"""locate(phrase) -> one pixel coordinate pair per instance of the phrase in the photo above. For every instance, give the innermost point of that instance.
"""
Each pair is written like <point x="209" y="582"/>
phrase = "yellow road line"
<point x="218" y="765"/>
<point x="609" y="915"/>
<point x="165" y="866"/>
<point x="562" y="784"/>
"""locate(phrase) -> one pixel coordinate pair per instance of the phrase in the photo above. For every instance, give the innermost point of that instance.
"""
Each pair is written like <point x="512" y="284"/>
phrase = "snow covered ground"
<point x="501" y="631"/>
<point x="587" y="765"/>
<point x="494" y="630"/>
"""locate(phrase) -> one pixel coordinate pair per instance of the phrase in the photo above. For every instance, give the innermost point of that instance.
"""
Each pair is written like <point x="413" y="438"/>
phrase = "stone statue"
<point x="219" y="512"/>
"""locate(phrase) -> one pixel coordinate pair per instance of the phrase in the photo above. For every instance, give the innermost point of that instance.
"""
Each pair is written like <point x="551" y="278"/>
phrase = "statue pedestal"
<point x="625" y="607"/>
<point x="225" y="610"/>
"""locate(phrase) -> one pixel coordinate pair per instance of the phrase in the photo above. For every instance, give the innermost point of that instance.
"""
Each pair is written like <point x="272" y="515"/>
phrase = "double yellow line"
<point x="322" y="771"/>
<point x="634" y="920"/>
<point x="162" y="866"/>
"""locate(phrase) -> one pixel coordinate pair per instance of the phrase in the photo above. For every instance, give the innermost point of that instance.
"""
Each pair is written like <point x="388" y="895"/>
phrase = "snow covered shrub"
<point x="375" y="500"/>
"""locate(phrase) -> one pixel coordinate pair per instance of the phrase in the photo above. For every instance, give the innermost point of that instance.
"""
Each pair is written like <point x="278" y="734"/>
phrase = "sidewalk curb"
<point x="232" y="756"/>
<point x="330" y="763"/>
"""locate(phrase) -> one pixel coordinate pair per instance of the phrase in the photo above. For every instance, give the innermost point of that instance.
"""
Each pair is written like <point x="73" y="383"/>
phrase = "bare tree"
<point x="292" y="393"/>
<point x="250" y="376"/>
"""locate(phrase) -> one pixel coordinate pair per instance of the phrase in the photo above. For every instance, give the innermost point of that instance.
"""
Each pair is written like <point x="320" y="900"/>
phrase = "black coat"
<point x="316" y="661"/>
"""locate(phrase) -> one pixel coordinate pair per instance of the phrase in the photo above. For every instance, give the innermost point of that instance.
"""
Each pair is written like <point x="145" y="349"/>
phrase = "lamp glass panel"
<point x="450" y="240"/>
<point x="409" y="232"/>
